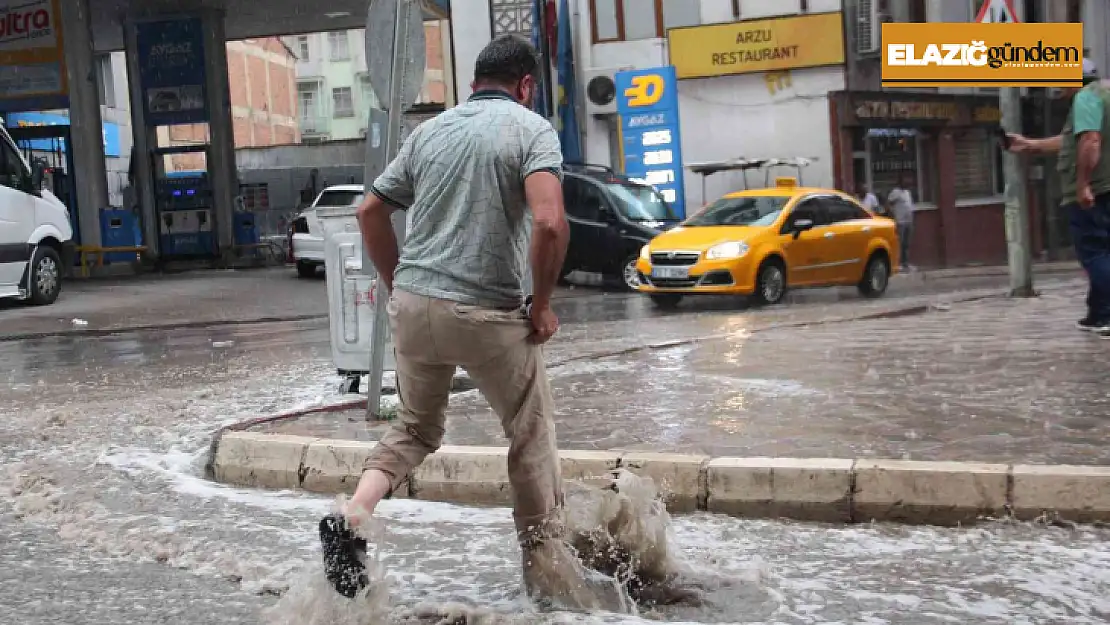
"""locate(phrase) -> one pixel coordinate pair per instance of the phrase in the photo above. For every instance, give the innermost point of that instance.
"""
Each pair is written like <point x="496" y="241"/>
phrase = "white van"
<point x="36" y="238"/>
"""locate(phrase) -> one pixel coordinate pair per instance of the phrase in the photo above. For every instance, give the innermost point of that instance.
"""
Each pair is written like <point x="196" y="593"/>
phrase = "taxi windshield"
<point x="641" y="202"/>
<point x="740" y="211"/>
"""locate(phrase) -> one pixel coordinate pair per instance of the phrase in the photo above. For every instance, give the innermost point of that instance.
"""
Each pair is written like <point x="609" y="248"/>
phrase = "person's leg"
<point x="1085" y="238"/>
<point x="905" y="233"/>
<point x="510" y="373"/>
<point x="1098" y="240"/>
<point x="423" y="387"/>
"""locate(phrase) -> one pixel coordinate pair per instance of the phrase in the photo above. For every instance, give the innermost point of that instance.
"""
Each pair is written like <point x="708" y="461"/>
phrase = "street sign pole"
<point x="1019" y="249"/>
<point x="405" y="77"/>
<point x="1017" y="202"/>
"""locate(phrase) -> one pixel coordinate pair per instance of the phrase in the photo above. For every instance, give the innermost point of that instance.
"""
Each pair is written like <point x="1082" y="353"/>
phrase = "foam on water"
<point x="617" y="526"/>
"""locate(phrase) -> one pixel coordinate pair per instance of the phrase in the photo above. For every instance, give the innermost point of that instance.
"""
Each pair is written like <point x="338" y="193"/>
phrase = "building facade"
<point x="333" y="93"/>
<point x="829" y="107"/>
<point x="262" y="78"/>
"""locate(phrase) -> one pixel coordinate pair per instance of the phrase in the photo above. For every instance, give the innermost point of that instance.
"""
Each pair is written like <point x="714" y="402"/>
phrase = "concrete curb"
<point x="808" y="489"/>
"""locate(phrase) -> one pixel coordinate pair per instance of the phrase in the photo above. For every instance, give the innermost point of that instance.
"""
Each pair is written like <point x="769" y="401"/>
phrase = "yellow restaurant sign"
<point x="757" y="45"/>
<point x="982" y="55"/>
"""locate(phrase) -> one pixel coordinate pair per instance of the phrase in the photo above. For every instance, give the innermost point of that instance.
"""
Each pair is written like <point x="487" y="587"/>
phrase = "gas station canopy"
<point x="244" y="19"/>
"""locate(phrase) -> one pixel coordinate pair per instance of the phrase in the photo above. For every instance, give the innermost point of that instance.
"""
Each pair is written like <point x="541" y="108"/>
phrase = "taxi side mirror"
<point x="801" y="225"/>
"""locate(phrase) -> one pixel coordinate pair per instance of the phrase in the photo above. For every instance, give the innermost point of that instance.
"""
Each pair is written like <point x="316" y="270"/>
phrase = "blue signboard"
<point x="110" y="131"/>
<point x="647" y="100"/>
<point x="171" y="73"/>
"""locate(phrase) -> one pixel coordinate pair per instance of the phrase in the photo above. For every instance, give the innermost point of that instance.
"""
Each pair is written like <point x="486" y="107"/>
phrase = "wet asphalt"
<point x="104" y="518"/>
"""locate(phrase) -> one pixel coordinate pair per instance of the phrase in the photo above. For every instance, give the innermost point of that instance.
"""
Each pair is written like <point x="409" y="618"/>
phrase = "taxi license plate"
<point x="670" y="273"/>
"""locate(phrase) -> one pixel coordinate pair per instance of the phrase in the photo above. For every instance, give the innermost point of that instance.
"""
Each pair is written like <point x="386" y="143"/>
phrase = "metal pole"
<point x="1017" y="202"/>
<point x="392" y="144"/>
<point x="1050" y="211"/>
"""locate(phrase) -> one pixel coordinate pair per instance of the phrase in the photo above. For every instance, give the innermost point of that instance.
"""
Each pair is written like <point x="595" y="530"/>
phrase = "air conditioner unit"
<point x="601" y="90"/>
<point x="871" y="14"/>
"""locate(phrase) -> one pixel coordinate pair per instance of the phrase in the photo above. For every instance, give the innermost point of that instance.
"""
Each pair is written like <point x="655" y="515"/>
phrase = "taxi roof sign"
<point x="786" y="181"/>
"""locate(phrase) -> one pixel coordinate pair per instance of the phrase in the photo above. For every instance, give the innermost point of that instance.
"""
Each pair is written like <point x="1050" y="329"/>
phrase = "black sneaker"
<point x="1091" y="324"/>
<point x="344" y="553"/>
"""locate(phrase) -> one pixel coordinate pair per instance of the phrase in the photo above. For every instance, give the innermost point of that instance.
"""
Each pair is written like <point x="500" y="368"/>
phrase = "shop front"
<point x="945" y="150"/>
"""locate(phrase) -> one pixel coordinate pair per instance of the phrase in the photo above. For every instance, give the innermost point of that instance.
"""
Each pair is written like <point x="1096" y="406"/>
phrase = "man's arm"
<point x="550" y="234"/>
<point x="378" y="237"/>
<point x="1087" y="118"/>
<point x="393" y="190"/>
<point x="1049" y="145"/>
<point x="543" y="190"/>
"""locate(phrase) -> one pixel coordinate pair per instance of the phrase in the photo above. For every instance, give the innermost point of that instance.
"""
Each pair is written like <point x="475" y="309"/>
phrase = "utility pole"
<point x="1017" y="201"/>
<point x="1019" y="250"/>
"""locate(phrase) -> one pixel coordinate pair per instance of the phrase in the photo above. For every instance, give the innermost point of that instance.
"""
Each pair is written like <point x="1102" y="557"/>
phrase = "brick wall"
<point x="262" y="81"/>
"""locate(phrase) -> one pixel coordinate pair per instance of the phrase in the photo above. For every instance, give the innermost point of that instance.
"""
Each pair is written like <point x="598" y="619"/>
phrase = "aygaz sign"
<point x="757" y="45"/>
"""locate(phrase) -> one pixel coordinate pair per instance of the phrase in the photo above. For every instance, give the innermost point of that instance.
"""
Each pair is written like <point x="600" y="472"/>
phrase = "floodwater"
<point x="105" y="518"/>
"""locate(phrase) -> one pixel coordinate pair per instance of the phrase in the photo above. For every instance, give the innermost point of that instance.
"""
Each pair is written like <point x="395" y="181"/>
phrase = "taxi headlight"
<point x="645" y="253"/>
<point x="726" y="251"/>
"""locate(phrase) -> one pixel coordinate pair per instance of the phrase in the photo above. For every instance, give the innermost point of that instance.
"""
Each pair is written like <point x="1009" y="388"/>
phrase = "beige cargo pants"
<point x="433" y="336"/>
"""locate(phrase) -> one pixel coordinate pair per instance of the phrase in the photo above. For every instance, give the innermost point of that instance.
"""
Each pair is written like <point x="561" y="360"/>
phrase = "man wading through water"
<point x="1083" y="162"/>
<point x="482" y="184"/>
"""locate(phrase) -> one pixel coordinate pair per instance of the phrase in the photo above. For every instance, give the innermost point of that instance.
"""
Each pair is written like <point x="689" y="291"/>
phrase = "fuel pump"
<point x="183" y="201"/>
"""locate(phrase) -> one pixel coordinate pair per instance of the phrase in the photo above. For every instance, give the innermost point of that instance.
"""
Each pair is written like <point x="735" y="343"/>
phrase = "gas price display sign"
<point x="647" y="101"/>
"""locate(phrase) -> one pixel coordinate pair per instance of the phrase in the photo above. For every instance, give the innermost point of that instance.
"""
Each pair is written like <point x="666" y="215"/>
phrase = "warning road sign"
<point x="997" y="12"/>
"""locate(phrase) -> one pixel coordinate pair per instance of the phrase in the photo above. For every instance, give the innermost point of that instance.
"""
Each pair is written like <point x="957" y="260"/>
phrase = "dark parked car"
<point x="611" y="218"/>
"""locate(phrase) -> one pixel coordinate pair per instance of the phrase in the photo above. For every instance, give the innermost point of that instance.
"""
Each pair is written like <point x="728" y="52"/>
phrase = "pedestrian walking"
<point x="482" y="185"/>
<point x="1083" y="164"/>
<point x="868" y="199"/>
<point x="901" y="207"/>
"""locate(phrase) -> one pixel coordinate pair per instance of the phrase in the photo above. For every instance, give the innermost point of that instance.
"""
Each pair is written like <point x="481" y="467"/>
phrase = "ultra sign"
<point x="651" y="145"/>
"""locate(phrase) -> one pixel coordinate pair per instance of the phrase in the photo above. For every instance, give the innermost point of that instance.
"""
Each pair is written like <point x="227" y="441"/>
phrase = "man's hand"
<point x="544" y="325"/>
<point x="1019" y="144"/>
<point x="1086" y="197"/>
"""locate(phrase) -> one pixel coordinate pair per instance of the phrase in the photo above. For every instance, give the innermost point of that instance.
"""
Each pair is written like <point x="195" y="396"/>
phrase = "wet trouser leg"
<point x="431" y="337"/>
<point x="1090" y="231"/>
<point x="423" y="386"/>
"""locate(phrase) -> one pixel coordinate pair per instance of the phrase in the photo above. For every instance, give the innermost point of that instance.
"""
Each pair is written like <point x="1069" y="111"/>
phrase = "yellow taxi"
<point x="763" y="242"/>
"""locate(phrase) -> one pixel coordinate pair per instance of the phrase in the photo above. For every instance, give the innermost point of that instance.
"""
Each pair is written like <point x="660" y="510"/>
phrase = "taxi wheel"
<point x="876" y="277"/>
<point x="630" y="276"/>
<point x="666" y="301"/>
<point x="770" y="285"/>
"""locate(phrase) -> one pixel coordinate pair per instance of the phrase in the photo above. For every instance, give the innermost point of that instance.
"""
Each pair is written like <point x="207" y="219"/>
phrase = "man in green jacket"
<point x="1083" y="163"/>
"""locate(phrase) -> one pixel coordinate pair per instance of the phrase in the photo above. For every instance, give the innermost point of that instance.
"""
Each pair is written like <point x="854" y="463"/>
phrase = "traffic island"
<point x="806" y="489"/>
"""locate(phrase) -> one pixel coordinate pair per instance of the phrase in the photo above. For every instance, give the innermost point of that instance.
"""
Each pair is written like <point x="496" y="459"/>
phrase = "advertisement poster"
<point x="172" y="71"/>
<point x="32" y="61"/>
<point x="647" y="101"/>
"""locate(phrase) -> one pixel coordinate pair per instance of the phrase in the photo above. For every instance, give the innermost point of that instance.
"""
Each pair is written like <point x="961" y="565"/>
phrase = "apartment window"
<point x="340" y="48"/>
<point x="629" y="20"/>
<point x="309" y="104"/>
<point x="106" y="80"/>
<point x="342" y="104"/>
<point x="302" y="47"/>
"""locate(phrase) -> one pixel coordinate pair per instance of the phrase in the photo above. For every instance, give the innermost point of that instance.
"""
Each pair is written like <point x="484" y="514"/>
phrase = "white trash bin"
<point x="351" y="284"/>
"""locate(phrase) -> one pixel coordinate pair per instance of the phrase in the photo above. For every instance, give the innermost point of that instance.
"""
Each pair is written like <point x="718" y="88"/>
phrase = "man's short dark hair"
<point x="506" y="60"/>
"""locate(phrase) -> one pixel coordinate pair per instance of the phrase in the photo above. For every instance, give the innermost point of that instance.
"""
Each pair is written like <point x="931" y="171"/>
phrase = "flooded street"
<point x="105" y="516"/>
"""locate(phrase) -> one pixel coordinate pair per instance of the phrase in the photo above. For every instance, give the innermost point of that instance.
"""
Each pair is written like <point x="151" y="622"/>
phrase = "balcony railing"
<point x="314" y="125"/>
